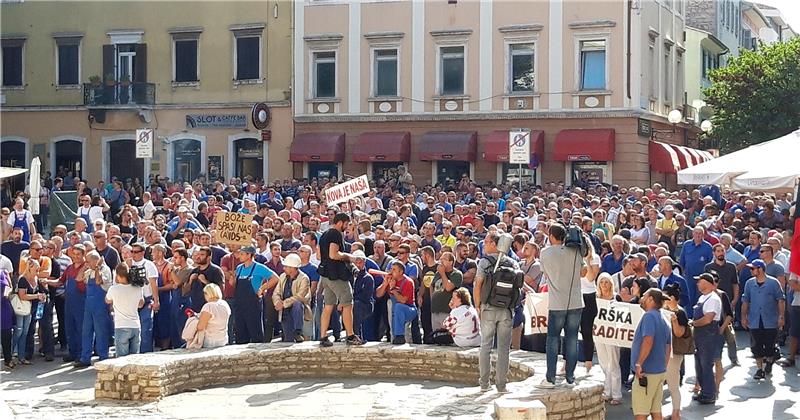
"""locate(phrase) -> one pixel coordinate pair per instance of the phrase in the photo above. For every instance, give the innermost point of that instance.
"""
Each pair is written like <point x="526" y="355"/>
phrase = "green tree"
<point x="756" y="97"/>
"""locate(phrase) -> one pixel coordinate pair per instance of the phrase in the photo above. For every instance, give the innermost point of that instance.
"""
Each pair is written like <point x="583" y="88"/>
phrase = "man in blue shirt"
<point x="695" y="255"/>
<point x="763" y="306"/>
<point x="250" y="281"/>
<point x="612" y="263"/>
<point x="649" y="354"/>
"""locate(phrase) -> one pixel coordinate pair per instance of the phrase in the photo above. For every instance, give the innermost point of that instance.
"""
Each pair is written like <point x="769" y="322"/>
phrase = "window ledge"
<point x="384" y="98"/>
<point x="592" y="92"/>
<point x="525" y="94"/>
<point x="450" y="97"/>
<point x="194" y="84"/>
<point x="12" y="88"/>
<point x="247" y="82"/>
<point x="323" y="100"/>
<point x="68" y="87"/>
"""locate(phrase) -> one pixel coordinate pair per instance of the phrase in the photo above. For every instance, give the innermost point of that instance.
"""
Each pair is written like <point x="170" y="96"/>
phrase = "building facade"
<point x="437" y="86"/>
<point x="720" y="18"/>
<point x="79" y="78"/>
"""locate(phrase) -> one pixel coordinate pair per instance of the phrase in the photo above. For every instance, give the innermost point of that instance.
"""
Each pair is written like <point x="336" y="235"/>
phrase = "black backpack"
<point x="503" y="286"/>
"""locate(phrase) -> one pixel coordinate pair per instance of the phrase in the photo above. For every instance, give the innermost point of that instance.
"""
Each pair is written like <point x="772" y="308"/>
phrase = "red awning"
<point x="449" y="145"/>
<point x="684" y="157"/>
<point x="495" y="147"/>
<point x="317" y="147"/>
<point x="585" y="145"/>
<point x="383" y="147"/>
<point x="664" y="158"/>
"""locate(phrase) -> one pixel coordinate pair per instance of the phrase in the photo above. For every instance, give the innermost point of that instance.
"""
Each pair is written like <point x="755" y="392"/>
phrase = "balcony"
<point x="122" y="94"/>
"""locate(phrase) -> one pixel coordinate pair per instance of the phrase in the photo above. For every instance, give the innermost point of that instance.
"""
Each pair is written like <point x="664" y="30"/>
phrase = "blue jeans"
<point x="569" y="321"/>
<point x="126" y="341"/>
<point x="706" y="341"/>
<point x="402" y="314"/>
<point x="21" y="335"/>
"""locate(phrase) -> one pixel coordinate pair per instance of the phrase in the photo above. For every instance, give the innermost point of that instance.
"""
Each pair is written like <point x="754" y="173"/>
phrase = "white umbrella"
<point x="780" y="173"/>
<point x="35" y="183"/>
<point x="11" y="172"/>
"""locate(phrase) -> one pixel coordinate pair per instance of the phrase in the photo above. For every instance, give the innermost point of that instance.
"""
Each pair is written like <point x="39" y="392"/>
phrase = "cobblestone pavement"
<point x="57" y="391"/>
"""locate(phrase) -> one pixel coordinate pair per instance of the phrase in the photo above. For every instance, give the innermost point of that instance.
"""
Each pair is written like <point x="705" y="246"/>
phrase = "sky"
<point x="789" y="8"/>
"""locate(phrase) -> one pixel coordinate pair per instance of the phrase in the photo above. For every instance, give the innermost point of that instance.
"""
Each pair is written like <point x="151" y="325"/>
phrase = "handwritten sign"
<point x="233" y="228"/>
<point x="345" y="191"/>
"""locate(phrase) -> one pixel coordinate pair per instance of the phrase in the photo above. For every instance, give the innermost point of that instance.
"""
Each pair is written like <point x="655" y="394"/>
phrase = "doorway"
<point x="126" y="63"/>
<point x="249" y="154"/>
<point x="451" y="171"/>
<point x="321" y="170"/>
<point x="14" y="155"/>
<point x="187" y="159"/>
<point x="68" y="158"/>
<point x="128" y="167"/>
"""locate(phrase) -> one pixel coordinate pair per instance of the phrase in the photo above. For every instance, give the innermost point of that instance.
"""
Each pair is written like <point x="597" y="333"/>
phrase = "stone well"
<point x="151" y="376"/>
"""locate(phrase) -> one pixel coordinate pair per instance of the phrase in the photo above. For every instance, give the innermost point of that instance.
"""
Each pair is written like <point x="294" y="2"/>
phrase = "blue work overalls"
<point x="85" y="216"/>
<point x="249" y="326"/>
<point x="75" y="301"/>
<point x="706" y="340"/>
<point x="146" y="324"/>
<point x="95" y="322"/>
<point x="162" y="320"/>
<point x="178" y="307"/>
<point x="20" y="222"/>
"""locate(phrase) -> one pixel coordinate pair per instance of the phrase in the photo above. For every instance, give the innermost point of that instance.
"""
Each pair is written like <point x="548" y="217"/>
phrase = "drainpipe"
<point x="628" y="61"/>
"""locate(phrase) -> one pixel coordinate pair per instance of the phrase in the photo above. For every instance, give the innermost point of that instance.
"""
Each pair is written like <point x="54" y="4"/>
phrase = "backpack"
<point x="503" y="285"/>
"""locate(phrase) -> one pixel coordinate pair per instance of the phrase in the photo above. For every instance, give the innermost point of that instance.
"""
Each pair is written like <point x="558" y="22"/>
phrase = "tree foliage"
<point x="756" y="97"/>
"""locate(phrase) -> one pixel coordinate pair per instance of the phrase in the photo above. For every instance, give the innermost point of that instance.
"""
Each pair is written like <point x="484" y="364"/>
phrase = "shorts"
<point x="336" y="292"/>
<point x="794" y="321"/>
<point x="646" y="401"/>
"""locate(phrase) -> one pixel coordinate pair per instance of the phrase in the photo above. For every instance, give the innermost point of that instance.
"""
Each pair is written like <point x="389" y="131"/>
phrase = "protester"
<point x="214" y="317"/>
<point x="682" y="344"/>
<point x="649" y="353"/>
<point x="763" y="305"/>
<point x="706" y="318"/>
<point x="608" y="354"/>
<point x="462" y="324"/>
<point x="292" y="297"/>
<point x="27" y="291"/>
<point x="96" y="318"/>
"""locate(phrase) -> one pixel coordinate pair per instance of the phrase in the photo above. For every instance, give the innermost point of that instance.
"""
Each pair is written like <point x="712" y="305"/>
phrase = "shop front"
<point x="187" y="159"/>
<point x="495" y="149"/>
<point x="318" y="155"/>
<point x="249" y="158"/>
<point x="588" y="155"/>
<point x="667" y="159"/>
<point x="14" y="153"/>
<point x="383" y="153"/>
<point x="452" y="154"/>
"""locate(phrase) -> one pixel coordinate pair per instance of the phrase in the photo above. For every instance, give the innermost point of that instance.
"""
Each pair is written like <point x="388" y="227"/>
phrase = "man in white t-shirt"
<point x="150" y="295"/>
<point x="126" y="300"/>
<point x="705" y="319"/>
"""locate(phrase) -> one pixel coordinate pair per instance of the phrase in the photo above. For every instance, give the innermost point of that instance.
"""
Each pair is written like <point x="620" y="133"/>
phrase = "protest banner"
<point x="233" y="228"/>
<point x="616" y="322"/>
<point x="345" y="191"/>
<point x="535" y="311"/>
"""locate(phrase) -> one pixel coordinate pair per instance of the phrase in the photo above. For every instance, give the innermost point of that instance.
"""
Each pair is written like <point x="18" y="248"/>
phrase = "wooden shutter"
<point x="140" y="67"/>
<point x="109" y="58"/>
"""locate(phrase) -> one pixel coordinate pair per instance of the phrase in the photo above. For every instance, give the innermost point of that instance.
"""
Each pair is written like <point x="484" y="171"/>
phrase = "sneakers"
<point x="501" y="389"/>
<point x="354" y="340"/>
<point x="759" y="374"/>
<point x="768" y="368"/>
<point x="68" y="359"/>
<point x="399" y="340"/>
<point x="484" y="388"/>
<point x="80" y="364"/>
<point x="324" y="342"/>
<point x="545" y="384"/>
<point x="298" y="338"/>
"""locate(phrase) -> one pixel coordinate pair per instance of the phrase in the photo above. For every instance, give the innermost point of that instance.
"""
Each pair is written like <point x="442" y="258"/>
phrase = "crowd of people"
<point x="141" y="269"/>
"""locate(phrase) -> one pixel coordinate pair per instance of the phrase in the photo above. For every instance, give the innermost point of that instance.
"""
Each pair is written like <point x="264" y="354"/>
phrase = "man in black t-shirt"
<point x="427" y="273"/>
<point x="205" y="272"/>
<point x="335" y="279"/>
<point x="728" y="288"/>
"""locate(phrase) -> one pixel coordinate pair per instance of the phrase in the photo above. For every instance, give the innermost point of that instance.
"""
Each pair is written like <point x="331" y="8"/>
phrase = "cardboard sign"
<point x="345" y="191"/>
<point x="233" y="228"/>
<point x="535" y="310"/>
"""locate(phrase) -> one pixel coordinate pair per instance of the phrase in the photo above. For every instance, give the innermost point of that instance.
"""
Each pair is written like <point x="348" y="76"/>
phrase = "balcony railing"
<point x="119" y="94"/>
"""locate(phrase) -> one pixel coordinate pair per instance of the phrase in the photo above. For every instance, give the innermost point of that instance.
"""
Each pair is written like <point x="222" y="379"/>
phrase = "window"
<point x="679" y="72"/>
<point x="186" y="60"/>
<point x="522" y="70"/>
<point x="653" y="67"/>
<point x="593" y="65"/>
<point x="667" y="75"/>
<point x="325" y="74"/>
<point x="452" y="70"/>
<point x="385" y="72"/>
<point x="248" y="58"/>
<point x="68" y="58"/>
<point x="12" y="63"/>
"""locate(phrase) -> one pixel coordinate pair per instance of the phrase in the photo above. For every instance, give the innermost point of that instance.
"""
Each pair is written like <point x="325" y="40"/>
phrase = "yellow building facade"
<point x="79" y="78"/>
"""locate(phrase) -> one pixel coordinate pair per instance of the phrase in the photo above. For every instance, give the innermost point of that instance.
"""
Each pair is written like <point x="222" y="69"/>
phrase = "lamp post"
<point x="674" y="117"/>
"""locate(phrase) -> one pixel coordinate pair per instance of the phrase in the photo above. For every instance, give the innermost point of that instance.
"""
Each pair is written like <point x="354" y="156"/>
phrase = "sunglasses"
<point x="40" y="248"/>
<point x="137" y="251"/>
<point x="59" y="233"/>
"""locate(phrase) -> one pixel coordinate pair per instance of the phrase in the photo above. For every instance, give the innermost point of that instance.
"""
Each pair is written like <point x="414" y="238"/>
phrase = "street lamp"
<point x="706" y="126"/>
<point x="674" y="117"/>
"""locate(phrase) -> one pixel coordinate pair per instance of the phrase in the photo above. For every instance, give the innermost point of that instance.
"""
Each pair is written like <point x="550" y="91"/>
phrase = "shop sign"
<point x="447" y="157"/>
<point x="250" y="153"/>
<point x="380" y="157"/>
<point x="578" y="158"/>
<point x="216" y="121"/>
<point x="347" y="190"/>
<point x="644" y="128"/>
<point x="260" y="115"/>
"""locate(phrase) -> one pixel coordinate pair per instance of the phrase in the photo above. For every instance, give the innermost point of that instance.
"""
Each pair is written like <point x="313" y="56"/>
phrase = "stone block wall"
<point x="702" y="14"/>
<point x="149" y="377"/>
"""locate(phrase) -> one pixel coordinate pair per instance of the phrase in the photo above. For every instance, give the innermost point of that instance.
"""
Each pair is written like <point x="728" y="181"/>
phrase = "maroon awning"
<point x="317" y="147"/>
<point x="585" y="145"/>
<point x="664" y="158"/>
<point x="449" y="145"/>
<point x="495" y="147"/>
<point x="383" y="147"/>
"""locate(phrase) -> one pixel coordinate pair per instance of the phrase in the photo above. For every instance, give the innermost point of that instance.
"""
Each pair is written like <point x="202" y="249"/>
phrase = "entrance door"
<point x="125" y="65"/>
<point x="13" y="156"/>
<point x="122" y="161"/>
<point x="385" y="170"/>
<point x="321" y="170"/>
<point x="187" y="160"/>
<point x="451" y="171"/>
<point x="69" y="157"/>
<point x="249" y="158"/>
